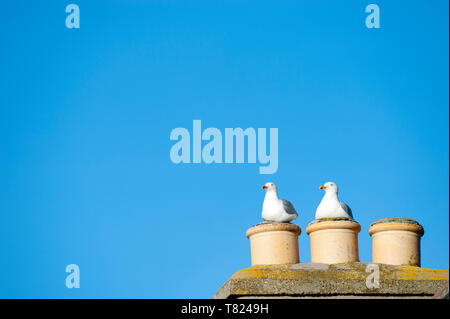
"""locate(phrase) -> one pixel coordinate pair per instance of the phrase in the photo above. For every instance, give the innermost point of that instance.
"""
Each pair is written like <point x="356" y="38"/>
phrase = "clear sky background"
<point x="86" y="114"/>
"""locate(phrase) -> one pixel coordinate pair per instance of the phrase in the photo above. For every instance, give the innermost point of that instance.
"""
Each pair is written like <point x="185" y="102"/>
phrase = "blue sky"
<point x="86" y="114"/>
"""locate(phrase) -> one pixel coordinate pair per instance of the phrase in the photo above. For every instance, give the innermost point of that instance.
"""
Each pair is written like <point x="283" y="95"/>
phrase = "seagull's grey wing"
<point x="346" y="209"/>
<point x="288" y="207"/>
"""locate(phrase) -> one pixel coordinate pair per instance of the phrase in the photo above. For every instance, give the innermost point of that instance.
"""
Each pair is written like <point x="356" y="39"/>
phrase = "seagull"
<point x="275" y="209"/>
<point x="330" y="206"/>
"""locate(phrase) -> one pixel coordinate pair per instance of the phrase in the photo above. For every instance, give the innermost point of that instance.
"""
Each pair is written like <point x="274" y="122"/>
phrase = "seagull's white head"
<point x="270" y="187"/>
<point x="329" y="187"/>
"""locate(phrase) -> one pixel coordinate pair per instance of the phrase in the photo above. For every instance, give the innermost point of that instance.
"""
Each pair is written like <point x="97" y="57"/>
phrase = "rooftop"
<point x="347" y="280"/>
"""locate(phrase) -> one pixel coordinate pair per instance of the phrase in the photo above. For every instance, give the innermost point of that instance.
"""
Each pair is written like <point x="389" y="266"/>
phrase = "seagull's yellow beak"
<point x="322" y="187"/>
<point x="264" y="187"/>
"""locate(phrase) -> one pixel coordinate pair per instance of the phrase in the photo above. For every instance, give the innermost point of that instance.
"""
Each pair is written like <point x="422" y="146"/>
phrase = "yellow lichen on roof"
<point x="417" y="273"/>
<point x="347" y="271"/>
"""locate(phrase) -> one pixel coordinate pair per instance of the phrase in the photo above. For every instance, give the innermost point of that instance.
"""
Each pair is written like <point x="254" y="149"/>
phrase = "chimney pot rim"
<point x="333" y="223"/>
<point x="405" y="224"/>
<point x="273" y="226"/>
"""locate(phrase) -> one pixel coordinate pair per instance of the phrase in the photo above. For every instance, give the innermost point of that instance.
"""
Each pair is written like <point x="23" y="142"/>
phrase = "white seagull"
<point x="275" y="209"/>
<point x="330" y="206"/>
